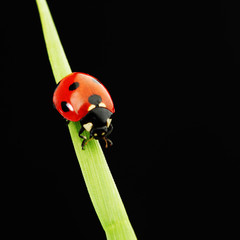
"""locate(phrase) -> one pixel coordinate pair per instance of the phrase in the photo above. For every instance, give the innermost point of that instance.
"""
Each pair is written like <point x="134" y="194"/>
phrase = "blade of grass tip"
<point x="100" y="184"/>
<point x="56" y="54"/>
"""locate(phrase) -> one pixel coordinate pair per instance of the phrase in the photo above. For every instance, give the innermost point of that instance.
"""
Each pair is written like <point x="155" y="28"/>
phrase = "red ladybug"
<point x="81" y="97"/>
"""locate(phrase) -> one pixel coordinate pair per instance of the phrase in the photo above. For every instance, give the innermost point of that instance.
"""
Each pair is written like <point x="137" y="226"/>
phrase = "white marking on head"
<point x="88" y="126"/>
<point x="109" y="120"/>
<point x="102" y="104"/>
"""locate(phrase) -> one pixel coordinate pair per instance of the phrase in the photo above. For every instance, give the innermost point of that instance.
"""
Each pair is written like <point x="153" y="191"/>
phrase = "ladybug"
<point x="81" y="97"/>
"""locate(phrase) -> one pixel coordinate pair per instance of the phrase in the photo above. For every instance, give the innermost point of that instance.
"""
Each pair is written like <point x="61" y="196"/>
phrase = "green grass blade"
<point x="56" y="54"/>
<point x="100" y="184"/>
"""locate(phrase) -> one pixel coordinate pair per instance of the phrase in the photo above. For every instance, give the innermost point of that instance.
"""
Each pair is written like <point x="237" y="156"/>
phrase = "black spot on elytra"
<point x="95" y="99"/>
<point x="74" y="86"/>
<point x="64" y="106"/>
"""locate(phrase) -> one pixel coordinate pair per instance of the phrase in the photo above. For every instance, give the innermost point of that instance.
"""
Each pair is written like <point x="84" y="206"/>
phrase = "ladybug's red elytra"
<point x="81" y="97"/>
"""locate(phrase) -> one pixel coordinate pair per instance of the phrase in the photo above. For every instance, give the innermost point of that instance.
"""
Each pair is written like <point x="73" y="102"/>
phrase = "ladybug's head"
<point x="98" y="123"/>
<point x="100" y="132"/>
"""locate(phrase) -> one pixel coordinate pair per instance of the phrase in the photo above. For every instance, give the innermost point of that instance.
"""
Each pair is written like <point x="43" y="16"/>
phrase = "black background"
<point x="173" y="72"/>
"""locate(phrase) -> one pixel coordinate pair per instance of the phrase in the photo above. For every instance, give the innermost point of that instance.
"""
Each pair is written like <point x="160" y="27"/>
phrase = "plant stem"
<point x="100" y="184"/>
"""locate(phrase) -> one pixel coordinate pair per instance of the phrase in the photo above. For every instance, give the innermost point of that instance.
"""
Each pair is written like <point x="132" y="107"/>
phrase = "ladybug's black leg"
<point x="83" y="137"/>
<point x="110" y="129"/>
<point x="110" y="142"/>
<point x="83" y="144"/>
<point x="67" y="121"/>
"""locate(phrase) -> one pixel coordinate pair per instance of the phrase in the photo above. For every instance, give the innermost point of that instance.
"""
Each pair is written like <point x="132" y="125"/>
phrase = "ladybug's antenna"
<point x="107" y="141"/>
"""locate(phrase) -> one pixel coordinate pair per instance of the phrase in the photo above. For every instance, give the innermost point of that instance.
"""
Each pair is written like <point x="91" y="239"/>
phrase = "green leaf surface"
<point x="100" y="184"/>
